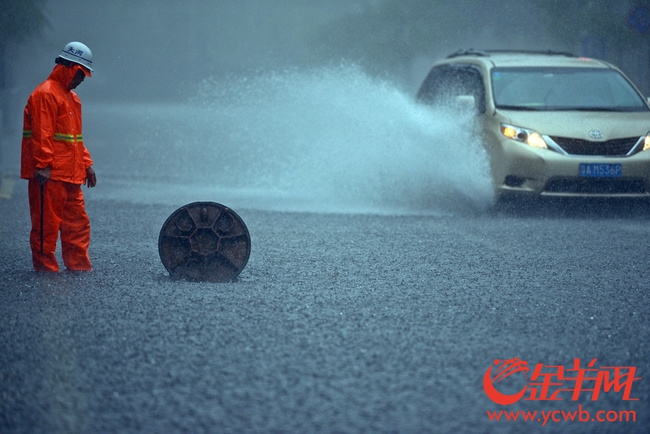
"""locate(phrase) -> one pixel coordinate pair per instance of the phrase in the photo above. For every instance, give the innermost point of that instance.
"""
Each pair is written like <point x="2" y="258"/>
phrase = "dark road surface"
<point x="339" y="323"/>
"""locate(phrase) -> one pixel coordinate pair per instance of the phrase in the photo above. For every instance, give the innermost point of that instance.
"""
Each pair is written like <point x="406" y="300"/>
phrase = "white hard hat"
<point x="78" y="53"/>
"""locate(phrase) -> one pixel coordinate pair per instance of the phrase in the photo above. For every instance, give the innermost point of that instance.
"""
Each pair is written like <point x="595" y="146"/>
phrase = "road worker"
<point x="56" y="163"/>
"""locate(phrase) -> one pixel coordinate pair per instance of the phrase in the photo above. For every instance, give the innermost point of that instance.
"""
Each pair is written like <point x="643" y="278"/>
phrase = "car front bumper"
<point x="521" y="170"/>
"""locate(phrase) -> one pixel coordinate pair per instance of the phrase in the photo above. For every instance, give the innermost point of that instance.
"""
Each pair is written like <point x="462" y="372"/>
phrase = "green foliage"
<point x="605" y="19"/>
<point x="20" y="20"/>
<point x="386" y="34"/>
<point x="389" y="32"/>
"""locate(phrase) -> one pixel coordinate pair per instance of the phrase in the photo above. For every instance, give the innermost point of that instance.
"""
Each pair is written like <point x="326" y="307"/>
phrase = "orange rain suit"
<point x="52" y="138"/>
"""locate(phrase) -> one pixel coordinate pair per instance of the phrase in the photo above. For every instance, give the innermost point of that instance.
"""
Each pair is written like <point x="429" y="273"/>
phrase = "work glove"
<point x="42" y="175"/>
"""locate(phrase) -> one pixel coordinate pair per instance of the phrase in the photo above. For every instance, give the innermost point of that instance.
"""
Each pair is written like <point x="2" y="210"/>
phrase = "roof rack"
<point x="486" y="53"/>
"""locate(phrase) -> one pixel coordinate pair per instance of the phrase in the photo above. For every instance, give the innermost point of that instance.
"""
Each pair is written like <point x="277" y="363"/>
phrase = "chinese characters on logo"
<point x="557" y="382"/>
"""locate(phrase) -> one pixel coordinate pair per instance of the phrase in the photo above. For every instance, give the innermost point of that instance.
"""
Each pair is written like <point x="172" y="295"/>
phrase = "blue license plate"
<point x="600" y="170"/>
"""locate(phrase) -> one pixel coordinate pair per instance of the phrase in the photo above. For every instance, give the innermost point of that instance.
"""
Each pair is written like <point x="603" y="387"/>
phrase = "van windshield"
<point x="545" y="88"/>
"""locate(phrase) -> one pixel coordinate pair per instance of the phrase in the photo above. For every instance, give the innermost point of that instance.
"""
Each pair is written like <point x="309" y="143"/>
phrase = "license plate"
<point x="600" y="170"/>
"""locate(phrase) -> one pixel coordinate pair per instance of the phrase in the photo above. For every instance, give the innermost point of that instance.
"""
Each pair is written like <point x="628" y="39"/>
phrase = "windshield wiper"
<point x="522" y="107"/>
<point x="568" y="109"/>
<point x="596" y="109"/>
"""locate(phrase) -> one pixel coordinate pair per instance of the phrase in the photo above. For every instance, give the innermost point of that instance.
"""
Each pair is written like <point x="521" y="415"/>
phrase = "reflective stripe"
<point x="67" y="137"/>
<point x="27" y="134"/>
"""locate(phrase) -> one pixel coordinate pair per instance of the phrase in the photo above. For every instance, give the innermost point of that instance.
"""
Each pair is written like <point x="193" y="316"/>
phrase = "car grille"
<point x="596" y="186"/>
<point x="585" y="147"/>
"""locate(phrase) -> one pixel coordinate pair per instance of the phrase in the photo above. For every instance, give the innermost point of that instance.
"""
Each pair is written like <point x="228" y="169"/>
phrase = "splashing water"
<point x="326" y="140"/>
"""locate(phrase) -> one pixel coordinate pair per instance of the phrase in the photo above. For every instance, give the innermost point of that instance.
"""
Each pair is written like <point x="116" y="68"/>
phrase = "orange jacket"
<point x="52" y="130"/>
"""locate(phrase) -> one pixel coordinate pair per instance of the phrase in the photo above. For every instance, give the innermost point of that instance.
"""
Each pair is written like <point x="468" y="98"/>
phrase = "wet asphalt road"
<point x="339" y="323"/>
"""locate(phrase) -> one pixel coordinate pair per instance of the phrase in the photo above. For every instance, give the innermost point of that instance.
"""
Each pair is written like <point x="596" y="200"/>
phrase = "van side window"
<point x="446" y="82"/>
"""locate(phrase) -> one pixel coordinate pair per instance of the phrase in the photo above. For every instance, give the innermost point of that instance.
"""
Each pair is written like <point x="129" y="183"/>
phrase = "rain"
<point x="383" y="280"/>
<point x="260" y="116"/>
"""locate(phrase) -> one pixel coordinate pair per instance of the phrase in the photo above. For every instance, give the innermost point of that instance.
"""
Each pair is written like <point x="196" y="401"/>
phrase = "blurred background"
<point x="154" y="48"/>
<point x="163" y="51"/>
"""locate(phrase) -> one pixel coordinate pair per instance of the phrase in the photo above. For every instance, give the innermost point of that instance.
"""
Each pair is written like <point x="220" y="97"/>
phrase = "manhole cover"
<point x="204" y="241"/>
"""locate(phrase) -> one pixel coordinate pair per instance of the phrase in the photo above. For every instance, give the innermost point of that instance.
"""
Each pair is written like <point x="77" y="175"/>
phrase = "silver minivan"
<point x="553" y="124"/>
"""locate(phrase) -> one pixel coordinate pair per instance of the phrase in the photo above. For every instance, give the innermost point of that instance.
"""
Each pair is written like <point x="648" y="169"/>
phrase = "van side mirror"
<point x="465" y="102"/>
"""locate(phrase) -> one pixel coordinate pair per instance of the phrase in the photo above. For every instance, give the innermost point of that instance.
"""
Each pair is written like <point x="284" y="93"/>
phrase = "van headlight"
<point x="646" y="142"/>
<point x="530" y="137"/>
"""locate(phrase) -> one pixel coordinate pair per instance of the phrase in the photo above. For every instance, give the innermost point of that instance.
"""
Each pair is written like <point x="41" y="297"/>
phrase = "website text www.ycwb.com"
<point x="561" y="416"/>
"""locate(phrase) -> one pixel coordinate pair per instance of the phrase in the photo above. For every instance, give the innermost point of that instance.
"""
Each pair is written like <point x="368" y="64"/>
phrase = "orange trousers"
<point x="61" y="209"/>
